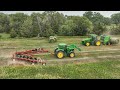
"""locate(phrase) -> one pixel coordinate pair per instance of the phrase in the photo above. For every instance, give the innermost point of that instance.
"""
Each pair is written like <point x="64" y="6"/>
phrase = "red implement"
<point x="28" y="55"/>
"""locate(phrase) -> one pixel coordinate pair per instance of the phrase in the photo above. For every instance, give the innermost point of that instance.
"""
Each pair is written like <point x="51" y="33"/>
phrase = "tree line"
<point x="54" y="23"/>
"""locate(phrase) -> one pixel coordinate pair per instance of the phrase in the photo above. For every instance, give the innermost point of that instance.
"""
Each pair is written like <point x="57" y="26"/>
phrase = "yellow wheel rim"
<point x="72" y="55"/>
<point x="60" y="54"/>
<point x="98" y="43"/>
<point x="87" y="44"/>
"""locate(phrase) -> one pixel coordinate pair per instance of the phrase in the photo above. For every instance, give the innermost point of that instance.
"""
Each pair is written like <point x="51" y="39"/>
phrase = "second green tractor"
<point x="96" y="40"/>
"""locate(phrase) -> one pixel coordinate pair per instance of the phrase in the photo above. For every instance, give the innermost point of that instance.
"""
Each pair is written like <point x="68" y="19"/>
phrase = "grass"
<point x="107" y="69"/>
<point x="4" y="36"/>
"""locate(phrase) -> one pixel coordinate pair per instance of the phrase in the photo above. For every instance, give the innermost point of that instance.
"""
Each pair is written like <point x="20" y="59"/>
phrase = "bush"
<point x="115" y="30"/>
<point x="99" y="28"/>
<point x="13" y="34"/>
<point x="0" y="36"/>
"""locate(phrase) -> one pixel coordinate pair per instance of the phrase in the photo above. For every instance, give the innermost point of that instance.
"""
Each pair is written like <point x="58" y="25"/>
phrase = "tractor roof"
<point x="93" y="35"/>
<point x="86" y="39"/>
<point x="62" y="44"/>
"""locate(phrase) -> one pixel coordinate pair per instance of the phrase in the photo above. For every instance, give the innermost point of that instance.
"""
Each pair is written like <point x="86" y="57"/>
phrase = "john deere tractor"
<point x="65" y="50"/>
<point x="91" y="40"/>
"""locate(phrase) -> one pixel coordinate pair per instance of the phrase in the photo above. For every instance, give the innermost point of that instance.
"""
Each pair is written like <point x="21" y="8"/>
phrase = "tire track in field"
<point x="76" y="60"/>
<point x="71" y="60"/>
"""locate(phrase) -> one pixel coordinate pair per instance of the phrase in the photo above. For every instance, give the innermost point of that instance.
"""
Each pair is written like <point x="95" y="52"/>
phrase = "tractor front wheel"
<point x="87" y="44"/>
<point x="60" y="54"/>
<point x="72" y="54"/>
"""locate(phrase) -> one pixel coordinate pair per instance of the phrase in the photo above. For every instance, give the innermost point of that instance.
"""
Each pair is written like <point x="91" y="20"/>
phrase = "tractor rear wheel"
<point x="72" y="54"/>
<point x="87" y="44"/>
<point x="60" y="54"/>
<point x="98" y="43"/>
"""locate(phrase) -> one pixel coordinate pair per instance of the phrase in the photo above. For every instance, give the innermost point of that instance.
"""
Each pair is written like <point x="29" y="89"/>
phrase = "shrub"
<point x="13" y="34"/>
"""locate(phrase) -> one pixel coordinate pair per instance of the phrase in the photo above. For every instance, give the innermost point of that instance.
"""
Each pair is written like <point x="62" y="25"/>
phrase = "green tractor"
<point x="107" y="40"/>
<point x="65" y="50"/>
<point x="91" y="40"/>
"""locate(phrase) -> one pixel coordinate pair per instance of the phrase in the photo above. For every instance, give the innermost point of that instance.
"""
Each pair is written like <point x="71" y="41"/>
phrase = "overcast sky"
<point x="80" y="13"/>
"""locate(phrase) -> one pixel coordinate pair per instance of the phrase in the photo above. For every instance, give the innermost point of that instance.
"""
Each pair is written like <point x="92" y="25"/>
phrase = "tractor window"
<point x="93" y="38"/>
<point x="65" y="47"/>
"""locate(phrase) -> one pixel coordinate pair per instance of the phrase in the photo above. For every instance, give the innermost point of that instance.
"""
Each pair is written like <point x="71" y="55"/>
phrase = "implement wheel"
<point x="60" y="54"/>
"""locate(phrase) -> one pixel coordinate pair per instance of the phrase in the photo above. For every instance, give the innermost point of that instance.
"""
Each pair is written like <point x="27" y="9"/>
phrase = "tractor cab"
<point x="62" y="46"/>
<point x="93" y="37"/>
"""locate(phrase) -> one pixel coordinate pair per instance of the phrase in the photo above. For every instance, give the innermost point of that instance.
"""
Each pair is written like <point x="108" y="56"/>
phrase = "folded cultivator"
<point x="28" y="55"/>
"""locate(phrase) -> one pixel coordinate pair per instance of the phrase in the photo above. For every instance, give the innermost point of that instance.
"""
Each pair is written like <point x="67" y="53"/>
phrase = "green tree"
<point x="98" y="20"/>
<point x="67" y="28"/>
<point x="115" y="18"/>
<point x="17" y="20"/>
<point x="89" y="15"/>
<point x="115" y="30"/>
<point x="107" y="21"/>
<point x="1" y="29"/>
<point x="37" y="23"/>
<point x="83" y="25"/>
<point x="46" y="28"/>
<point x="55" y="19"/>
<point x="96" y="17"/>
<point x="99" y="28"/>
<point x="13" y="34"/>
<point x="26" y="29"/>
<point x="4" y="23"/>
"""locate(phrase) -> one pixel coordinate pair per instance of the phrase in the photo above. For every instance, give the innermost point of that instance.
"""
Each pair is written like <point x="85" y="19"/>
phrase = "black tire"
<point x="108" y="43"/>
<point x="55" y="50"/>
<point x="24" y="56"/>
